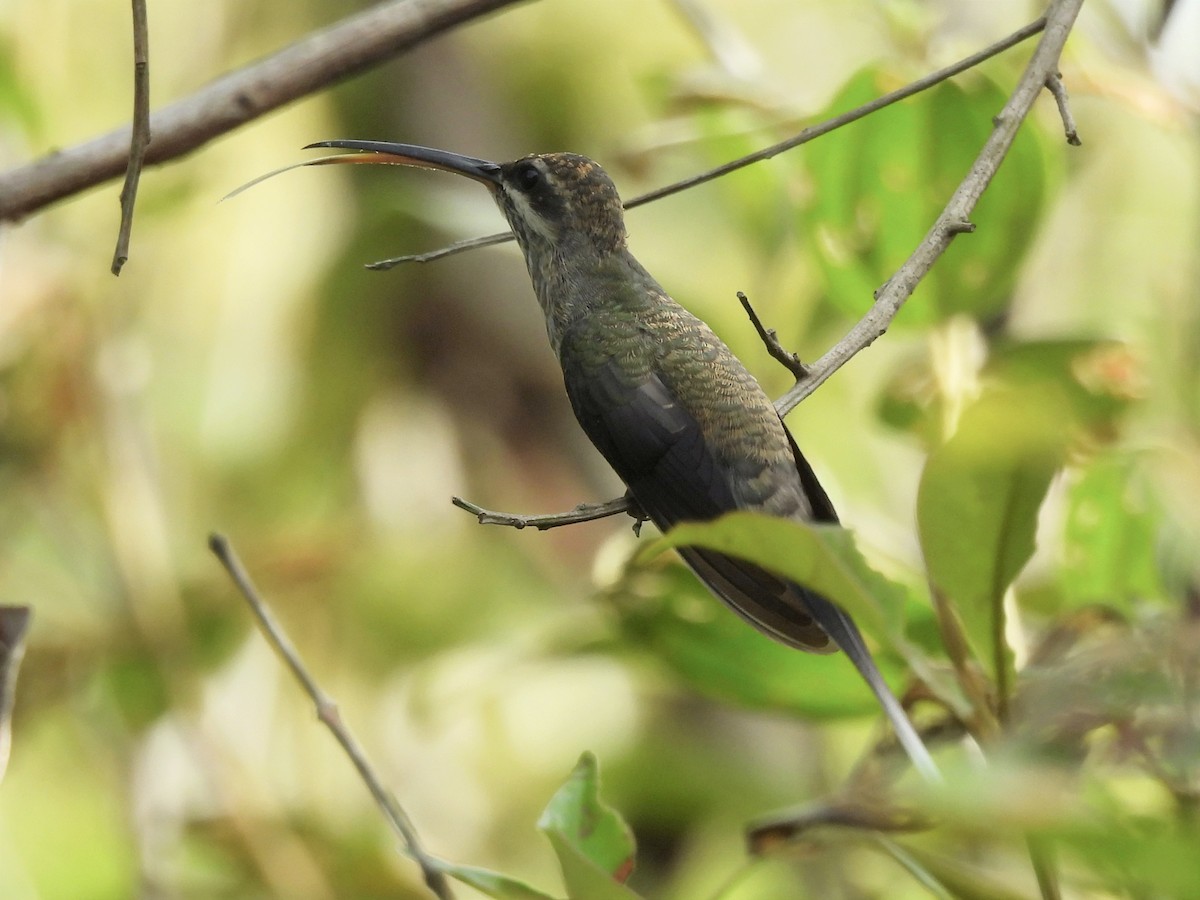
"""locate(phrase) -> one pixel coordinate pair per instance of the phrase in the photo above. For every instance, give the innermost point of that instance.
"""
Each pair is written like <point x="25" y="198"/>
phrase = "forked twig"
<point x="955" y="218"/>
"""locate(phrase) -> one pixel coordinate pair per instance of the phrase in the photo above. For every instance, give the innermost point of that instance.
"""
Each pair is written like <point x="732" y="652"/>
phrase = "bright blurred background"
<point x="246" y="374"/>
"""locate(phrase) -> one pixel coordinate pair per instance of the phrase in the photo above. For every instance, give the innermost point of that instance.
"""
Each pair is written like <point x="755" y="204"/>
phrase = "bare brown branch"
<point x="487" y="240"/>
<point x="312" y="64"/>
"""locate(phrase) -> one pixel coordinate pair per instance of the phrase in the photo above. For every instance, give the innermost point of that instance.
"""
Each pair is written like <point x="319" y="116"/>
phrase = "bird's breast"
<point x="620" y="348"/>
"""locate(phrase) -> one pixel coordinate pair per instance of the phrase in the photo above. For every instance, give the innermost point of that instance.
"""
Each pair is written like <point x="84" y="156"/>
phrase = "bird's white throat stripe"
<point x="527" y="213"/>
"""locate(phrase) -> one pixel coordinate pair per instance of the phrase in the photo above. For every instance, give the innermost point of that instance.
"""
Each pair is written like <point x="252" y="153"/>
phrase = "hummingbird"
<point x="679" y="418"/>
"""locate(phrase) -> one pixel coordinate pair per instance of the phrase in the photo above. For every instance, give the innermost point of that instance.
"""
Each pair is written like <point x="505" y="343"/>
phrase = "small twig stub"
<point x="1055" y="86"/>
<point x="139" y="138"/>
<point x="790" y="361"/>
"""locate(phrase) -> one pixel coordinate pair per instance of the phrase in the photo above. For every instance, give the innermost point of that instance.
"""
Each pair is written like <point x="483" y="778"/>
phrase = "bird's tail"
<point x="841" y="628"/>
<point x="804" y="619"/>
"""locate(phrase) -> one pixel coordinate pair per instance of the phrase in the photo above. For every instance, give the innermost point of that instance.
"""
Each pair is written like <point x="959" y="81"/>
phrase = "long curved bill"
<point x="413" y="155"/>
<point x="386" y="153"/>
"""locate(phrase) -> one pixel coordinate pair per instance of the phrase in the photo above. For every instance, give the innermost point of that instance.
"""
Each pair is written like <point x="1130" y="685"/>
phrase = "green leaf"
<point x="595" y="847"/>
<point x="980" y="493"/>
<point x="1148" y="858"/>
<point x="669" y="614"/>
<point x="880" y="184"/>
<point x="502" y="887"/>
<point x="1089" y="821"/>
<point x="1095" y="380"/>
<point x="978" y="502"/>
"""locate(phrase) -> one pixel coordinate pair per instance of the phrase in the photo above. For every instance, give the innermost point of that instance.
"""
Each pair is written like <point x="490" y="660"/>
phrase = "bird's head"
<point x="555" y="203"/>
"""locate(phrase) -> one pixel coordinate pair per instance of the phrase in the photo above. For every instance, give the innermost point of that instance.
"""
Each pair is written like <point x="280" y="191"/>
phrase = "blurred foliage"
<point x="882" y="185"/>
<point x="1028" y="441"/>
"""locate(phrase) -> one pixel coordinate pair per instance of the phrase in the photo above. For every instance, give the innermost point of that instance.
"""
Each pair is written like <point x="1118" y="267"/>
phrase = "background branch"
<point x="141" y="132"/>
<point x="327" y="713"/>
<point x="312" y="64"/>
<point x="14" y="624"/>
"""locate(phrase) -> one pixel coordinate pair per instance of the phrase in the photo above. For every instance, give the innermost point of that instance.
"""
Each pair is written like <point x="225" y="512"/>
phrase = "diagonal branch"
<point x="955" y="218"/>
<point x="346" y="48"/>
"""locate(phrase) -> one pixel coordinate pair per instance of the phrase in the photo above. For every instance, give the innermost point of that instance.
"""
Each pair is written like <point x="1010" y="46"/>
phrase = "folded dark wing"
<point x="659" y="450"/>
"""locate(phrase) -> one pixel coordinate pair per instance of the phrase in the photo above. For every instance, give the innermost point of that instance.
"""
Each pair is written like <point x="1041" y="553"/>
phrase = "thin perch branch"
<point x="802" y="137"/>
<point x="488" y="240"/>
<point x="584" y="512"/>
<point x="1056" y="87"/>
<point x="140" y="139"/>
<point x="327" y="712"/>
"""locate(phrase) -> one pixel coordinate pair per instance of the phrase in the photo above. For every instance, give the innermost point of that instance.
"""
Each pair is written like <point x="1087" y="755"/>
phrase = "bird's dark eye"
<point x="528" y="177"/>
